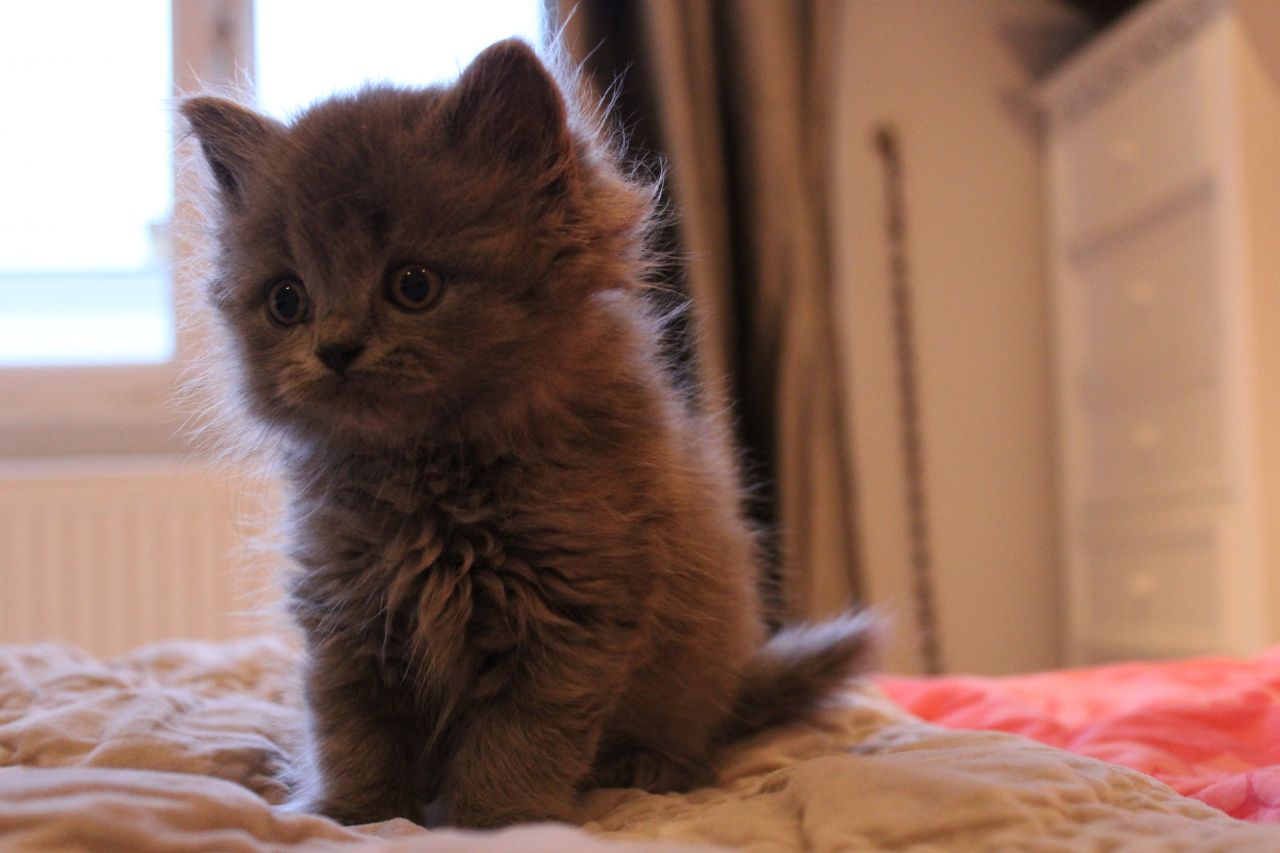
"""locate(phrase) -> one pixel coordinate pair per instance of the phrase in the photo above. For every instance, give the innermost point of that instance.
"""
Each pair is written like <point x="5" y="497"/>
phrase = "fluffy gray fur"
<point x="522" y="565"/>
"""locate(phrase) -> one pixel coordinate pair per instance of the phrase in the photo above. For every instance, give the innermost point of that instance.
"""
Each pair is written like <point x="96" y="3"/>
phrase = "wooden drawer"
<point x="1158" y="584"/>
<point x="1150" y="303"/>
<point x="1160" y="447"/>
<point x="1150" y="138"/>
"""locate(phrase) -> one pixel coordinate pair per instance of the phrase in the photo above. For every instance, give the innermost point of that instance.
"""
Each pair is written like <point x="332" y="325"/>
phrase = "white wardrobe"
<point x="1163" y="137"/>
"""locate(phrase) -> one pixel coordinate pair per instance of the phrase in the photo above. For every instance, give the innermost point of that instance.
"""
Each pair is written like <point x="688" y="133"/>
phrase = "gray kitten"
<point x="522" y="564"/>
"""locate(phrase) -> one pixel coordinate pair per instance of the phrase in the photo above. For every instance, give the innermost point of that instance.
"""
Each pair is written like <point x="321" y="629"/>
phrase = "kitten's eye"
<point x="414" y="288"/>
<point x="286" y="302"/>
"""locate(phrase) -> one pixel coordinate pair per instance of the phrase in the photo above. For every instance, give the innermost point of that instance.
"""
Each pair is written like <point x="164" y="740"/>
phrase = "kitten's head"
<point x="396" y="264"/>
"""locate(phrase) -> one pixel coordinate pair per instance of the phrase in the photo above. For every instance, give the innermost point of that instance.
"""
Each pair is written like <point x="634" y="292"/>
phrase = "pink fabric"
<point x="1208" y="727"/>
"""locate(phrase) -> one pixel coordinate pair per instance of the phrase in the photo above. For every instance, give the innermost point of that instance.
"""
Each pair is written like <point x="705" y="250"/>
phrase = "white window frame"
<point x="131" y="408"/>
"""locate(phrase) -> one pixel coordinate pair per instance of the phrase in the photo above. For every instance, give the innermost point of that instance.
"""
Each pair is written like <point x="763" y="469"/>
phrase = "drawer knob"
<point x="1145" y="437"/>
<point x="1124" y="152"/>
<point x="1141" y="586"/>
<point x="1140" y="296"/>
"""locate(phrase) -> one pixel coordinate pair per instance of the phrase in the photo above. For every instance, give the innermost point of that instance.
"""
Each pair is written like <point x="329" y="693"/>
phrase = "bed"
<point x="175" y="747"/>
<point x="1209" y="727"/>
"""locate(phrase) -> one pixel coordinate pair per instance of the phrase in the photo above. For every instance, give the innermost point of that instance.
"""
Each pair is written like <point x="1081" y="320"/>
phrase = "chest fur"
<point x="444" y="575"/>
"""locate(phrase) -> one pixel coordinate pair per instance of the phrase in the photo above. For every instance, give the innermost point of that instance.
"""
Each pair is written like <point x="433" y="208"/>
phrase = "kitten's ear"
<point x="507" y="102"/>
<point x="232" y="138"/>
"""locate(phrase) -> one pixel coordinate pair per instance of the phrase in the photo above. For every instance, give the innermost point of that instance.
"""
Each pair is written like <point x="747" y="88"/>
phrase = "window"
<point x="301" y="55"/>
<point x="90" y="347"/>
<point x="86" y="182"/>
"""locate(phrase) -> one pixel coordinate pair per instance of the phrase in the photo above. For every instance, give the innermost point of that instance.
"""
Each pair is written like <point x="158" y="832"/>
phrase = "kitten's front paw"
<point x="352" y="811"/>
<point x="653" y="772"/>
<point x="473" y="817"/>
<point x="319" y="808"/>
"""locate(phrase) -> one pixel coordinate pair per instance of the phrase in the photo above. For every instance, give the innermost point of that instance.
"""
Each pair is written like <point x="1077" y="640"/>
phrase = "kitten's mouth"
<point x="345" y="402"/>
<point x="347" y="389"/>
<point x="360" y="404"/>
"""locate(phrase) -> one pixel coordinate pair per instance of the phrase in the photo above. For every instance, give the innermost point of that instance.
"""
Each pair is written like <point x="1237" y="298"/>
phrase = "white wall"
<point x="954" y="77"/>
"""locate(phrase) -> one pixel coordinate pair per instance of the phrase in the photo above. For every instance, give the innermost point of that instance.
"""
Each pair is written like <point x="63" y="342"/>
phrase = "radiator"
<point x="110" y="554"/>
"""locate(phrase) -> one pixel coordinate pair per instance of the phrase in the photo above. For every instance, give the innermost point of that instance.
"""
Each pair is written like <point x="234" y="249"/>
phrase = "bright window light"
<point x="86" y="176"/>
<point x="85" y="183"/>
<point x="307" y="50"/>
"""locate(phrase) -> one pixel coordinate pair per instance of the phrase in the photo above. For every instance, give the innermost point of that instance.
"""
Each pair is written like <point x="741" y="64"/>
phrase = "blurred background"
<point x="986" y="285"/>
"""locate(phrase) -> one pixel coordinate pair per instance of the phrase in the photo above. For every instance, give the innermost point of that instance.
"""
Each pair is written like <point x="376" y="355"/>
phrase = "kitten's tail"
<point x="797" y="669"/>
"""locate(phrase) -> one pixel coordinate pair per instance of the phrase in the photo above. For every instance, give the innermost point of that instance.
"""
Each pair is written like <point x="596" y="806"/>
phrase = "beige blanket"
<point x="175" y="747"/>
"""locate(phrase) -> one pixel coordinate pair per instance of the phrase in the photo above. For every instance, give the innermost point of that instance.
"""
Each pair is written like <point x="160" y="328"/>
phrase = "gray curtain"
<point x="736" y="97"/>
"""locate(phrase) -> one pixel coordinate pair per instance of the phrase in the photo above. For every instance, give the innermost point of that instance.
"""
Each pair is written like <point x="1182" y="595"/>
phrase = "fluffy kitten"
<point x="522" y="566"/>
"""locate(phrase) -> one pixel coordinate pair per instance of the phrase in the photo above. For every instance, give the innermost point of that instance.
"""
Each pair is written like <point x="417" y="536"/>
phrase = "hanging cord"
<point x="909" y="399"/>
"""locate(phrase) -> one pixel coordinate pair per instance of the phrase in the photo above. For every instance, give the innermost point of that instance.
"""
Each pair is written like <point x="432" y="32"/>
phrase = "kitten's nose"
<point x="339" y="356"/>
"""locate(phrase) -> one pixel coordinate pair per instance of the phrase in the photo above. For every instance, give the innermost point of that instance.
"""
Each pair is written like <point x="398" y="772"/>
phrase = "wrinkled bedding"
<point x="175" y="747"/>
<point x="1207" y="727"/>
